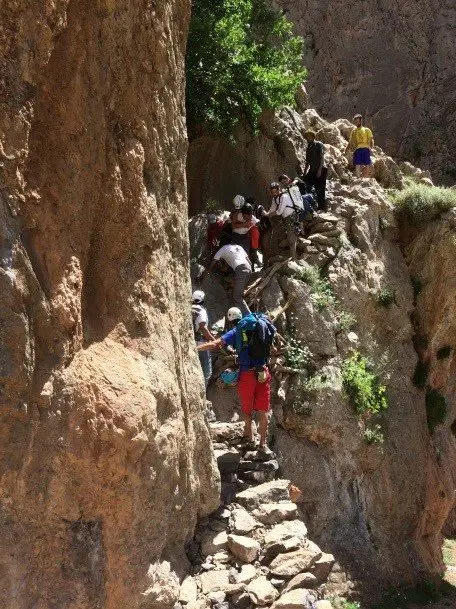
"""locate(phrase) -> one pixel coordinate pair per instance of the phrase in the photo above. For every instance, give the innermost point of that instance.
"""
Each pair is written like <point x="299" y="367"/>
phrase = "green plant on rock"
<point x="363" y="386"/>
<point x="212" y="205"/>
<point x="436" y="408"/>
<point x="444" y="352"/>
<point x="419" y="204"/>
<point x="322" y="292"/>
<point x="341" y="603"/>
<point x="347" y="321"/>
<point x="374" y="434"/>
<point x="242" y="58"/>
<point x="386" y="297"/>
<point x="297" y="355"/>
<point x="420" y="375"/>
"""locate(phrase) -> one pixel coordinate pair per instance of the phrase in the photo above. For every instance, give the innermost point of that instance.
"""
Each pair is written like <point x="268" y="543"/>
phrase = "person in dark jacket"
<point x="315" y="171"/>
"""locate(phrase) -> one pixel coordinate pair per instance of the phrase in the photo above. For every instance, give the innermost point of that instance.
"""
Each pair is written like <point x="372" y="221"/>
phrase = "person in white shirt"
<point x="284" y="204"/>
<point x="202" y="333"/>
<point x="236" y="257"/>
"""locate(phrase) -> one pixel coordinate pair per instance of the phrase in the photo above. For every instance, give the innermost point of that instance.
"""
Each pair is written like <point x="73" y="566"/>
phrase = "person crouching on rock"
<point x="201" y="331"/>
<point x="252" y="337"/>
<point x="362" y="142"/>
<point x="283" y="205"/>
<point x="236" y="257"/>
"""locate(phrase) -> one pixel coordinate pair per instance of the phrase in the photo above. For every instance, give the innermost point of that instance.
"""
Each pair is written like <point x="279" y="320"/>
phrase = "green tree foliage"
<point x="242" y="58"/>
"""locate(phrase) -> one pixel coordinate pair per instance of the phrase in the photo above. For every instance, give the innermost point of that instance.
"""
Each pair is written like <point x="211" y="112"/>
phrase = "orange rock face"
<point x="105" y="457"/>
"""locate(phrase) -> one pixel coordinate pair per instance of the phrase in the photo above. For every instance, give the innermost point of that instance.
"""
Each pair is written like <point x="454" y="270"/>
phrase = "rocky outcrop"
<point x="105" y="457"/>
<point x="376" y="489"/>
<point x="393" y="61"/>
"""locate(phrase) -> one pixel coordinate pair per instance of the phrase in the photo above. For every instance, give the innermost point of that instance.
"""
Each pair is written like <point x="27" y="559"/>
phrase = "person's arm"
<point x="206" y="332"/>
<point x="206" y="272"/>
<point x="371" y="141"/>
<point x="211" y="345"/>
<point x="322" y="160"/>
<point x="271" y="211"/>
<point x="307" y="165"/>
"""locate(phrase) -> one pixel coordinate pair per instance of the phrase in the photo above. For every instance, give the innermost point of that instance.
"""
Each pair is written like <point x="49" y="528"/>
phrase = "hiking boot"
<point x="264" y="453"/>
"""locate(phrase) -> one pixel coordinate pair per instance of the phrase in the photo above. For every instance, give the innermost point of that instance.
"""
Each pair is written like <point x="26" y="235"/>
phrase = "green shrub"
<point x="297" y="355"/>
<point x="322" y="293"/>
<point x="420" y="375"/>
<point x="436" y="408"/>
<point x="444" y="352"/>
<point x="386" y="297"/>
<point x="363" y="387"/>
<point x="242" y="58"/>
<point x="419" y="204"/>
<point x="374" y="434"/>
<point x="341" y="603"/>
<point x="347" y="321"/>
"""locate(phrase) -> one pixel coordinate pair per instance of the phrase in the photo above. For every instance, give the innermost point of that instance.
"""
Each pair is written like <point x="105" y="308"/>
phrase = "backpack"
<point x="256" y="332"/>
<point x="308" y="202"/>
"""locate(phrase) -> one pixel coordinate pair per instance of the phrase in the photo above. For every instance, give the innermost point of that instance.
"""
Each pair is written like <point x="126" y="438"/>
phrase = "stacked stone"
<point x="254" y="551"/>
<point x="322" y="241"/>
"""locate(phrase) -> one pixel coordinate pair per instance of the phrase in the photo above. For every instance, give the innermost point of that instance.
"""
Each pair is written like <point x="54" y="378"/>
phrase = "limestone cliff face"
<point x="105" y="457"/>
<point x="392" y="60"/>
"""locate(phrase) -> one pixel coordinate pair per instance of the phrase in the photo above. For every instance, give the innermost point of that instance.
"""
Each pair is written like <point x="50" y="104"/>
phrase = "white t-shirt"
<point x="233" y="255"/>
<point x="283" y="205"/>
<point x="244" y="231"/>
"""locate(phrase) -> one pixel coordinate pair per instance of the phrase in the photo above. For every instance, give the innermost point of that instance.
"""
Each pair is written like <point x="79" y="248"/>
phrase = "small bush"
<point x="341" y="603"/>
<point x="297" y="355"/>
<point x="322" y="295"/>
<point x="212" y="205"/>
<point x="420" y="375"/>
<point x="347" y="320"/>
<point x="374" y="434"/>
<point x="386" y="297"/>
<point x="444" y="352"/>
<point x="420" y="342"/>
<point x="419" y="204"/>
<point x="363" y="387"/>
<point x="436" y="408"/>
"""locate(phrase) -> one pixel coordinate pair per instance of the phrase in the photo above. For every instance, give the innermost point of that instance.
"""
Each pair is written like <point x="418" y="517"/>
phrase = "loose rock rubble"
<point x="254" y="550"/>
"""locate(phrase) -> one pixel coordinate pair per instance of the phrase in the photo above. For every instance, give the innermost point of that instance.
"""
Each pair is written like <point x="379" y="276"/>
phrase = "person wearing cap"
<point x="235" y="257"/>
<point x="285" y="206"/>
<point x="214" y="230"/>
<point x="202" y="333"/>
<point x="361" y="141"/>
<point x="254" y="390"/>
<point x="315" y="171"/>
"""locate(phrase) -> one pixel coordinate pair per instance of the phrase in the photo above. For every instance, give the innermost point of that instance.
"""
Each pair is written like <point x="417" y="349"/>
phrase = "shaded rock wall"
<point x="392" y="60"/>
<point x="105" y="457"/>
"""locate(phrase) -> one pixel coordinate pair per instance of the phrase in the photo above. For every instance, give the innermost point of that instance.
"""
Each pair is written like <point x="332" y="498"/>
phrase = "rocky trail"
<point x="254" y="551"/>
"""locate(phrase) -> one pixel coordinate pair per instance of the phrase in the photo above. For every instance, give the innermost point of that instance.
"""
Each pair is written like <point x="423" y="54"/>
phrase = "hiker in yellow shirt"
<point x="362" y="142"/>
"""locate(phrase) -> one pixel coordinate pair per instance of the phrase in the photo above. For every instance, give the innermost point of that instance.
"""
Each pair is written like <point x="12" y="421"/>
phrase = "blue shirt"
<point x="245" y="361"/>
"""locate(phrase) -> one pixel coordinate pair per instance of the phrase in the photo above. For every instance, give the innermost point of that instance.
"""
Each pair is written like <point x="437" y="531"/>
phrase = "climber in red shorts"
<point x="254" y="384"/>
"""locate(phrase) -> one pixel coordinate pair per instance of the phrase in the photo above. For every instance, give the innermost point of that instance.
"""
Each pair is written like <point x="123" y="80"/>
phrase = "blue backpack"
<point x="256" y="332"/>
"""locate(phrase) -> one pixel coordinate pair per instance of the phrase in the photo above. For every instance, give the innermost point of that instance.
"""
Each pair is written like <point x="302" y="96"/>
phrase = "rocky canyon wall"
<point x="105" y="459"/>
<point x="393" y="60"/>
<point x="377" y="503"/>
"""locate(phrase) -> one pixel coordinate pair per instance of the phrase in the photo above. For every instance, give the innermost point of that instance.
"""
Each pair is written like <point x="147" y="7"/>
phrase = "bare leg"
<point x="248" y="426"/>
<point x="366" y="171"/>
<point x="358" y="169"/>
<point x="263" y="424"/>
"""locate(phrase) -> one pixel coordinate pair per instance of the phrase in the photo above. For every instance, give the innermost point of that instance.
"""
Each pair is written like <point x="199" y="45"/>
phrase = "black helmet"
<point x="247" y="209"/>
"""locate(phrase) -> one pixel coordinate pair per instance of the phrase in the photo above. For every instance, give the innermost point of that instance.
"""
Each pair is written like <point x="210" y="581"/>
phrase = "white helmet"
<point x="198" y="296"/>
<point x="238" y="202"/>
<point x="234" y="313"/>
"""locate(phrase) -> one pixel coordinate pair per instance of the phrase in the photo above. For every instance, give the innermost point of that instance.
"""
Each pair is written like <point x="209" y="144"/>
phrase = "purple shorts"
<point x="362" y="156"/>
